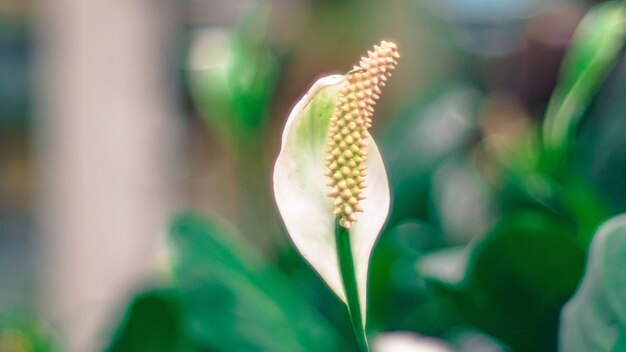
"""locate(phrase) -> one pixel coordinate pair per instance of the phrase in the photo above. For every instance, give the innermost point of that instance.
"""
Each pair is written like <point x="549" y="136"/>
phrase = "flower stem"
<point x="346" y="266"/>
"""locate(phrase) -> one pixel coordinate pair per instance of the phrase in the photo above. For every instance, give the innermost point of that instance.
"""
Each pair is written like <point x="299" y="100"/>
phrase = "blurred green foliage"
<point x="597" y="43"/>
<point x="414" y="144"/>
<point x="232" y="76"/>
<point x="21" y="330"/>
<point x="153" y="323"/>
<point x="600" y="146"/>
<point x="226" y="298"/>
<point x="519" y="276"/>
<point x="490" y="240"/>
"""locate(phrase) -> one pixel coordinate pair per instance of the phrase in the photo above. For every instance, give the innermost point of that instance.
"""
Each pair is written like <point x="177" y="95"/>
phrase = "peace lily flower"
<point x="330" y="183"/>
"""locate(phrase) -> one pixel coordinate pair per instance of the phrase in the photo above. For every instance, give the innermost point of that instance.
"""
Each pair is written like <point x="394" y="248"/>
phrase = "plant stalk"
<point x="348" y="278"/>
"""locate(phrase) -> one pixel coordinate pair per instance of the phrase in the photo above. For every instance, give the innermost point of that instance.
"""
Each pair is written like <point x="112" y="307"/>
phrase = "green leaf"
<point x="600" y="146"/>
<point x="153" y="323"/>
<point x="595" y="318"/>
<point x="518" y="278"/>
<point x="234" y="300"/>
<point x="232" y="75"/>
<point x="532" y="181"/>
<point x="400" y="299"/>
<point x="597" y="43"/>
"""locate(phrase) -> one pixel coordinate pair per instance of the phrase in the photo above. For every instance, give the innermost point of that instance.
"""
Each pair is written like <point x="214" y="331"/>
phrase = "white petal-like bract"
<point x="301" y="190"/>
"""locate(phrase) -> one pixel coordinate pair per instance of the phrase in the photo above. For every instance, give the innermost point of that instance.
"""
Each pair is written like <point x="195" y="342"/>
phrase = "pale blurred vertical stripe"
<point x="108" y="143"/>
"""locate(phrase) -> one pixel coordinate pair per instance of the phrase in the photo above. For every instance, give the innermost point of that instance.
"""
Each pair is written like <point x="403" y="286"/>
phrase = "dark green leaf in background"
<point x="234" y="300"/>
<point x="518" y="278"/>
<point x="398" y="298"/>
<point x="153" y="323"/>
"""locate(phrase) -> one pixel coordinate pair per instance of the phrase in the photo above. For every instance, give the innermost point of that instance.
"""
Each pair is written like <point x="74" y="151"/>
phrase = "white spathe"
<point x="300" y="188"/>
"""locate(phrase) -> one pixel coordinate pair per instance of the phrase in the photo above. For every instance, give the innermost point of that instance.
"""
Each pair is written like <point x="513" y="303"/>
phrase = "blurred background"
<point x="116" y="115"/>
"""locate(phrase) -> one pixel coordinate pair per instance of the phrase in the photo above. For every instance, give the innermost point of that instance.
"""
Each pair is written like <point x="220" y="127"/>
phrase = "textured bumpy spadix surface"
<point x="348" y="133"/>
<point x="301" y="184"/>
